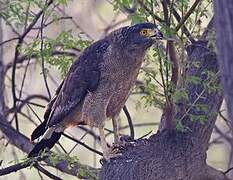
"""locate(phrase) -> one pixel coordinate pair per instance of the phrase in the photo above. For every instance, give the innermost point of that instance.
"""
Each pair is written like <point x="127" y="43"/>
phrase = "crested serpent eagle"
<point x="97" y="85"/>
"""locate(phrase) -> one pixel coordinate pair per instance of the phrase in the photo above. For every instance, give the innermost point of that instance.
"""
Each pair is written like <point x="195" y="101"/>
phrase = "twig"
<point x="165" y="11"/>
<point x="182" y="21"/>
<point x="131" y="127"/>
<point x="34" y="113"/>
<point x="8" y="40"/>
<point x="17" y="49"/>
<point x="23" y="143"/>
<point x="13" y="168"/>
<point x="145" y="135"/>
<point x="52" y="21"/>
<point x="141" y="3"/>
<point x="22" y="165"/>
<point x="42" y="55"/>
<point x="178" y="18"/>
<point x="47" y="173"/>
<point x="22" y="58"/>
<point x="27" y="101"/>
<point x="83" y="144"/>
<point x="92" y="133"/>
<point x="227" y="171"/>
<point x="135" y="125"/>
<point x="75" y="23"/>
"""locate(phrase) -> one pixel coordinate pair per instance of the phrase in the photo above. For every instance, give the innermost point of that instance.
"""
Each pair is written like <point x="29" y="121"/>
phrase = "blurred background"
<point x="68" y="27"/>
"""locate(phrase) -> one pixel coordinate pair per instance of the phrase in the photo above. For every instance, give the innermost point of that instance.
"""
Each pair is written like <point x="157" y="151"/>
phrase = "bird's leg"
<point x="119" y="143"/>
<point x="104" y="144"/>
<point x="115" y="123"/>
<point x="108" y="153"/>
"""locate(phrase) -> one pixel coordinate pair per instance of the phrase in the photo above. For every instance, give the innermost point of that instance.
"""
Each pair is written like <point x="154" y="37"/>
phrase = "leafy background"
<point x="69" y="27"/>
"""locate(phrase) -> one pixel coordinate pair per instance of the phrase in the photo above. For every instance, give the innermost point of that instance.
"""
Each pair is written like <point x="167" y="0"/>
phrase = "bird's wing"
<point x="82" y="77"/>
<point x="40" y="130"/>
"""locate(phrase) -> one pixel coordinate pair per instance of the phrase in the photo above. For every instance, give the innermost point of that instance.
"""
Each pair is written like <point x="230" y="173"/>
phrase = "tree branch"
<point x="182" y="21"/>
<point x="17" y="52"/>
<point x="22" y="142"/>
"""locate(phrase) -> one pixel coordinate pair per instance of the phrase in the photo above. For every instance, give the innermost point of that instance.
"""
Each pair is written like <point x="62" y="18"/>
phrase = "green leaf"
<point x="193" y="80"/>
<point x="180" y="94"/>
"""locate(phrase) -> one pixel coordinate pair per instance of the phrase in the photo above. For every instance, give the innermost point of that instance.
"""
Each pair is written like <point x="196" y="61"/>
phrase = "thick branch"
<point x="224" y="29"/>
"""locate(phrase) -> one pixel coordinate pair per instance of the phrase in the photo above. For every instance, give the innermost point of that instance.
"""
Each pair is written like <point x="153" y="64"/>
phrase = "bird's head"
<point x="141" y="36"/>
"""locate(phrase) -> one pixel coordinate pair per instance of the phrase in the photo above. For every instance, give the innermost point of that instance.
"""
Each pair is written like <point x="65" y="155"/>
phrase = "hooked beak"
<point x="157" y="34"/>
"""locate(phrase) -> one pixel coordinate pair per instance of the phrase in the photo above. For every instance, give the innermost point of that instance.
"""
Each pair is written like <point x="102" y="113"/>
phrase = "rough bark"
<point x="173" y="155"/>
<point x="224" y="34"/>
<point x="1" y="70"/>
<point x="224" y="37"/>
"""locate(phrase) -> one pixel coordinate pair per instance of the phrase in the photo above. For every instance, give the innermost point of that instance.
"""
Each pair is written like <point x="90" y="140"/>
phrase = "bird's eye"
<point x="144" y="32"/>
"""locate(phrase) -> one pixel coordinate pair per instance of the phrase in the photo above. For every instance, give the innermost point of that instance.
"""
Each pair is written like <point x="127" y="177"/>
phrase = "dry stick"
<point x="169" y="107"/>
<point x="83" y="144"/>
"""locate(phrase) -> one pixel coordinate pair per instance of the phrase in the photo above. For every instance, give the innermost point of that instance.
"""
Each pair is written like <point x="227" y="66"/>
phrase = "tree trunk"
<point x="173" y="155"/>
<point x="224" y="37"/>
<point x="224" y="34"/>
<point x="1" y="69"/>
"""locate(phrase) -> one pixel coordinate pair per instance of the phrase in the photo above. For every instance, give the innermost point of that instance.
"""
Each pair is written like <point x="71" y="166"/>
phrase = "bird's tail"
<point x="51" y="136"/>
<point x="39" y="131"/>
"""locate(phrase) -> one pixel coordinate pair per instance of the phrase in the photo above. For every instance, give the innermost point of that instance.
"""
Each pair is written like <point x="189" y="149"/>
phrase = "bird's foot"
<point x="110" y="153"/>
<point x="116" y="149"/>
<point x="123" y="141"/>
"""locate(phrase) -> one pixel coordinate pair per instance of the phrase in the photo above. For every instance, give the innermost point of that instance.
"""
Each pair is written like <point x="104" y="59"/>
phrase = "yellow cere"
<point x="147" y="32"/>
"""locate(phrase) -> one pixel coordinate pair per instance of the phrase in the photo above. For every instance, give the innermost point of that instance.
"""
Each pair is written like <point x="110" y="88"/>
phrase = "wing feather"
<point x="82" y="77"/>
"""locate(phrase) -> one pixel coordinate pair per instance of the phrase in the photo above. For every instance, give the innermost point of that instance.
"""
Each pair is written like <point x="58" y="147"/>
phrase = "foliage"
<point x="157" y="90"/>
<point x="157" y="70"/>
<point x="64" y="42"/>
